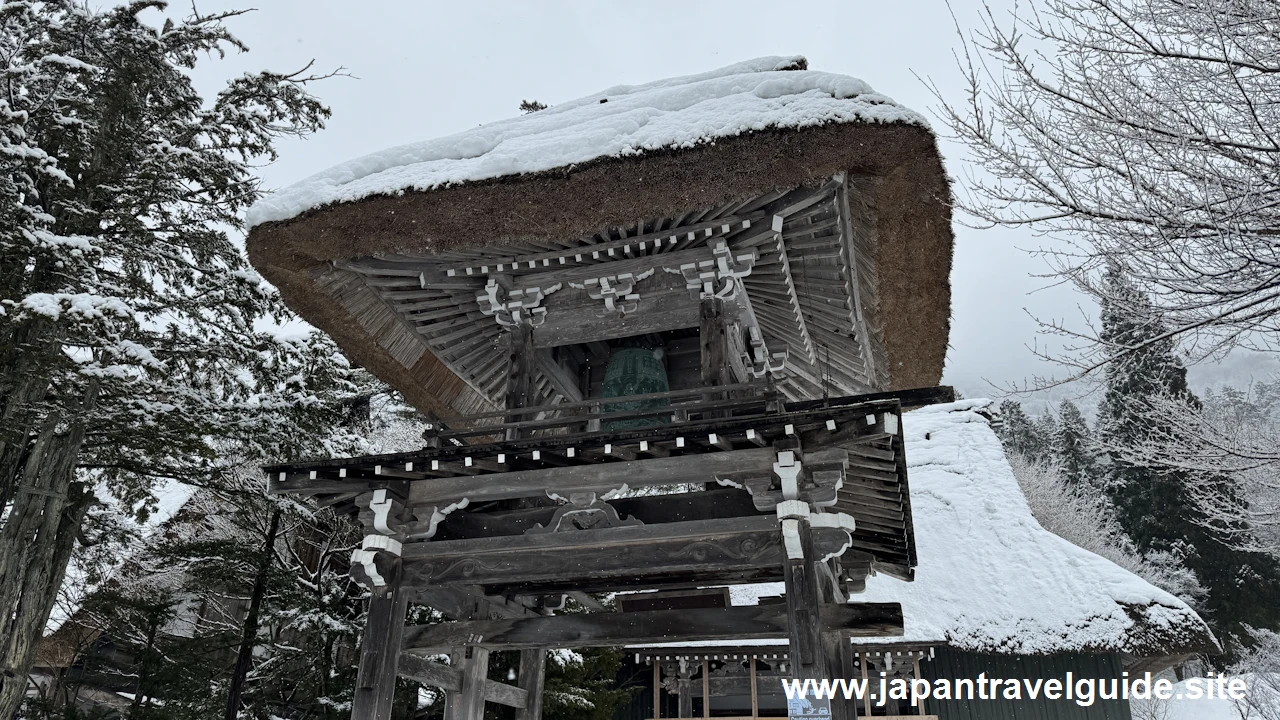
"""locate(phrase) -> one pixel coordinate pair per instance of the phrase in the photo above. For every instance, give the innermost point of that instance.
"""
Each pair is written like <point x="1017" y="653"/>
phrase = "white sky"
<point x="426" y="69"/>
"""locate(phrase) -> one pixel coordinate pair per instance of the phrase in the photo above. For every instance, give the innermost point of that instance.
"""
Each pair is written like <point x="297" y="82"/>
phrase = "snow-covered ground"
<point x="624" y="120"/>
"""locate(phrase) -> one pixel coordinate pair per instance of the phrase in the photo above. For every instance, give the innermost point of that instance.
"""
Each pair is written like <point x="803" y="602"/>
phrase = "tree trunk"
<point x="36" y="544"/>
<point x="144" y="667"/>
<point x="251" y="621"/>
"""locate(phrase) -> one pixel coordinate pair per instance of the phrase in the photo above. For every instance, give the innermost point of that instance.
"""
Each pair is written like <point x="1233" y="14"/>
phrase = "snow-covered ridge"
<point x="990" y="578"/>
<point x="624" y="120"/>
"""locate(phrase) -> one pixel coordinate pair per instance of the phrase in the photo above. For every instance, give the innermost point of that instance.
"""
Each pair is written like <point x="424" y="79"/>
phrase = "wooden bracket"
<point x="721" y="276"/>
<point x="758" y="360"/>
<point x="616" y="291"/>
<point x="816" y="480"/>
<point x="584" y="511"/>
<point x="514" y="307"/>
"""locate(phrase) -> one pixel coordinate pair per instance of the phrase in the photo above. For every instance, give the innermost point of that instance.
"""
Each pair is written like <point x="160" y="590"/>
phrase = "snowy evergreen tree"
<point x="1151" y="505"/>
<point x="1021" y="433"/>
<point x="130" y="348"/>
<point x="1155" y="501"/>
<point x="1073" y="446"/>
<point x="581" y="685"/>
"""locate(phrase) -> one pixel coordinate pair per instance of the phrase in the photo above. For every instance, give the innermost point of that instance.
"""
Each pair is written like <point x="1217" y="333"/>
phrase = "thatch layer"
<point x="898" y="165"/>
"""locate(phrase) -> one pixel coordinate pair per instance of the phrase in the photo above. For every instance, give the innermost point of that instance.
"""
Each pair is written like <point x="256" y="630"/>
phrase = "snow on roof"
<point x="622" y="121"/>
<point x="990" y="578"/>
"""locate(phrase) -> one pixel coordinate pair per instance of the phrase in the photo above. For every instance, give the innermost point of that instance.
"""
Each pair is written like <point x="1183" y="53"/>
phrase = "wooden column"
<point x="714" y="343"/>
<point x="657" y="689"/>
<point x="803" y="599"/>
<point x="380" y="652"/>
<point x="468" y="703"/>
<point x="532" y="676"/>
<point x="839" y="656"/>
<point x="706" y="689"/>
<point x="755" y="698"/>
<point x="521" y="362"/>
<point x="866" y="700"/>
<point x="686" y="691"/>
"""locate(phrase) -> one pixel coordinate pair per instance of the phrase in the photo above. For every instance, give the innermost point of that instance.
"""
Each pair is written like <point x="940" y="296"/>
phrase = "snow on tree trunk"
<point x="129" y="345"/>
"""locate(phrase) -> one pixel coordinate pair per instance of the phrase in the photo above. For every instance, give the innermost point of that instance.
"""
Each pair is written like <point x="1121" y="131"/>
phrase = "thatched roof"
<point x="698" y="147"/>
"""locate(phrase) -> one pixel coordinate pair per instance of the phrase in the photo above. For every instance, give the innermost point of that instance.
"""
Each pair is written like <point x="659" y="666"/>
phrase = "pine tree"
<point x="1153" y="503"/>
<point x="129" y="349"/>
<point x="1150" y="504"/>
<point x="1073" y="446"/>
<point x="1020" y="433"/>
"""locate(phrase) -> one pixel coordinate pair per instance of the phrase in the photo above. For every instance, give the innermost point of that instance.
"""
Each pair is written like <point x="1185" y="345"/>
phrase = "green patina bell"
<point x="634" y="371"/>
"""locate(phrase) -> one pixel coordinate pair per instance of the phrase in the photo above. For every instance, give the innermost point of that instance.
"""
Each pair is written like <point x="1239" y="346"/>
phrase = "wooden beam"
<point x="706" y="505"/>
<point x="732" y="465"/>
<point x="620" y="265"/>
<point x="758" y="622"/>
<point x="908" y="399"/>
<point x="450" y="679"/>
<point x="662" y="238"/>
<point x="509" y="695"/>
<point x="622" y="553"/>
<point x="560" y="378"/>
<point x="655" y="312"/>
<point x="464" y="603"/>
<point x="429" y="672"/>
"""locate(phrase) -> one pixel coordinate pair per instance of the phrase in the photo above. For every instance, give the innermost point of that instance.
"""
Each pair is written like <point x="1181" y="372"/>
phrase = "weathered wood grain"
<point x="760" y="622"/>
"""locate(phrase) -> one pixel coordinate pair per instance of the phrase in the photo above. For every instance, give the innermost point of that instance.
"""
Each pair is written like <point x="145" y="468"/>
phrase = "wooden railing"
<point x="589" y="415"/>
<point x="737" y="401"/>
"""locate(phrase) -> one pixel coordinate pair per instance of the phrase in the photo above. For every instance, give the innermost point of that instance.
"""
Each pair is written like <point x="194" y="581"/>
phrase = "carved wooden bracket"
<point x="721" y="276"/>
<point x="758" y="360"/>
<point x="816" y="480"/>
<point x="373" y="562"/>
<point x="514" y="307"/>
<point x="583" y="512"/>
<point x="616" y="291"/>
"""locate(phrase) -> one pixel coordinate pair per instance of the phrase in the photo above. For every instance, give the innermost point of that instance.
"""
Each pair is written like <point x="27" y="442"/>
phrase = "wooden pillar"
<point x="839" y="656"/>
<point x="866" y="700"/>
<point x="657" y="689"/>
<point x="468" y="703"/>
<point x="714" y="343"/>
<point x="686" y="691"/>
<point x="380" y="652"/>
<point x="755" y="698"/>
<point x="706" y="688"/>
<point x="803" y="598"/>
<point x="532" y="676"/>
<point x="520" y="366"/>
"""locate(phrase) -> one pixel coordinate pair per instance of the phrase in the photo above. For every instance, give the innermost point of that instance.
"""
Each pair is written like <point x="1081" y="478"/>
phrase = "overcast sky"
<point x="427" y="69"/>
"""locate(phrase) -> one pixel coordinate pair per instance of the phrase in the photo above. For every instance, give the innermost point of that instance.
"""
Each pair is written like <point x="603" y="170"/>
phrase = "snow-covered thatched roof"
<point x="990" y="578"/>
<point x="626" y="120"/>
<point x="764" y="136"/>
